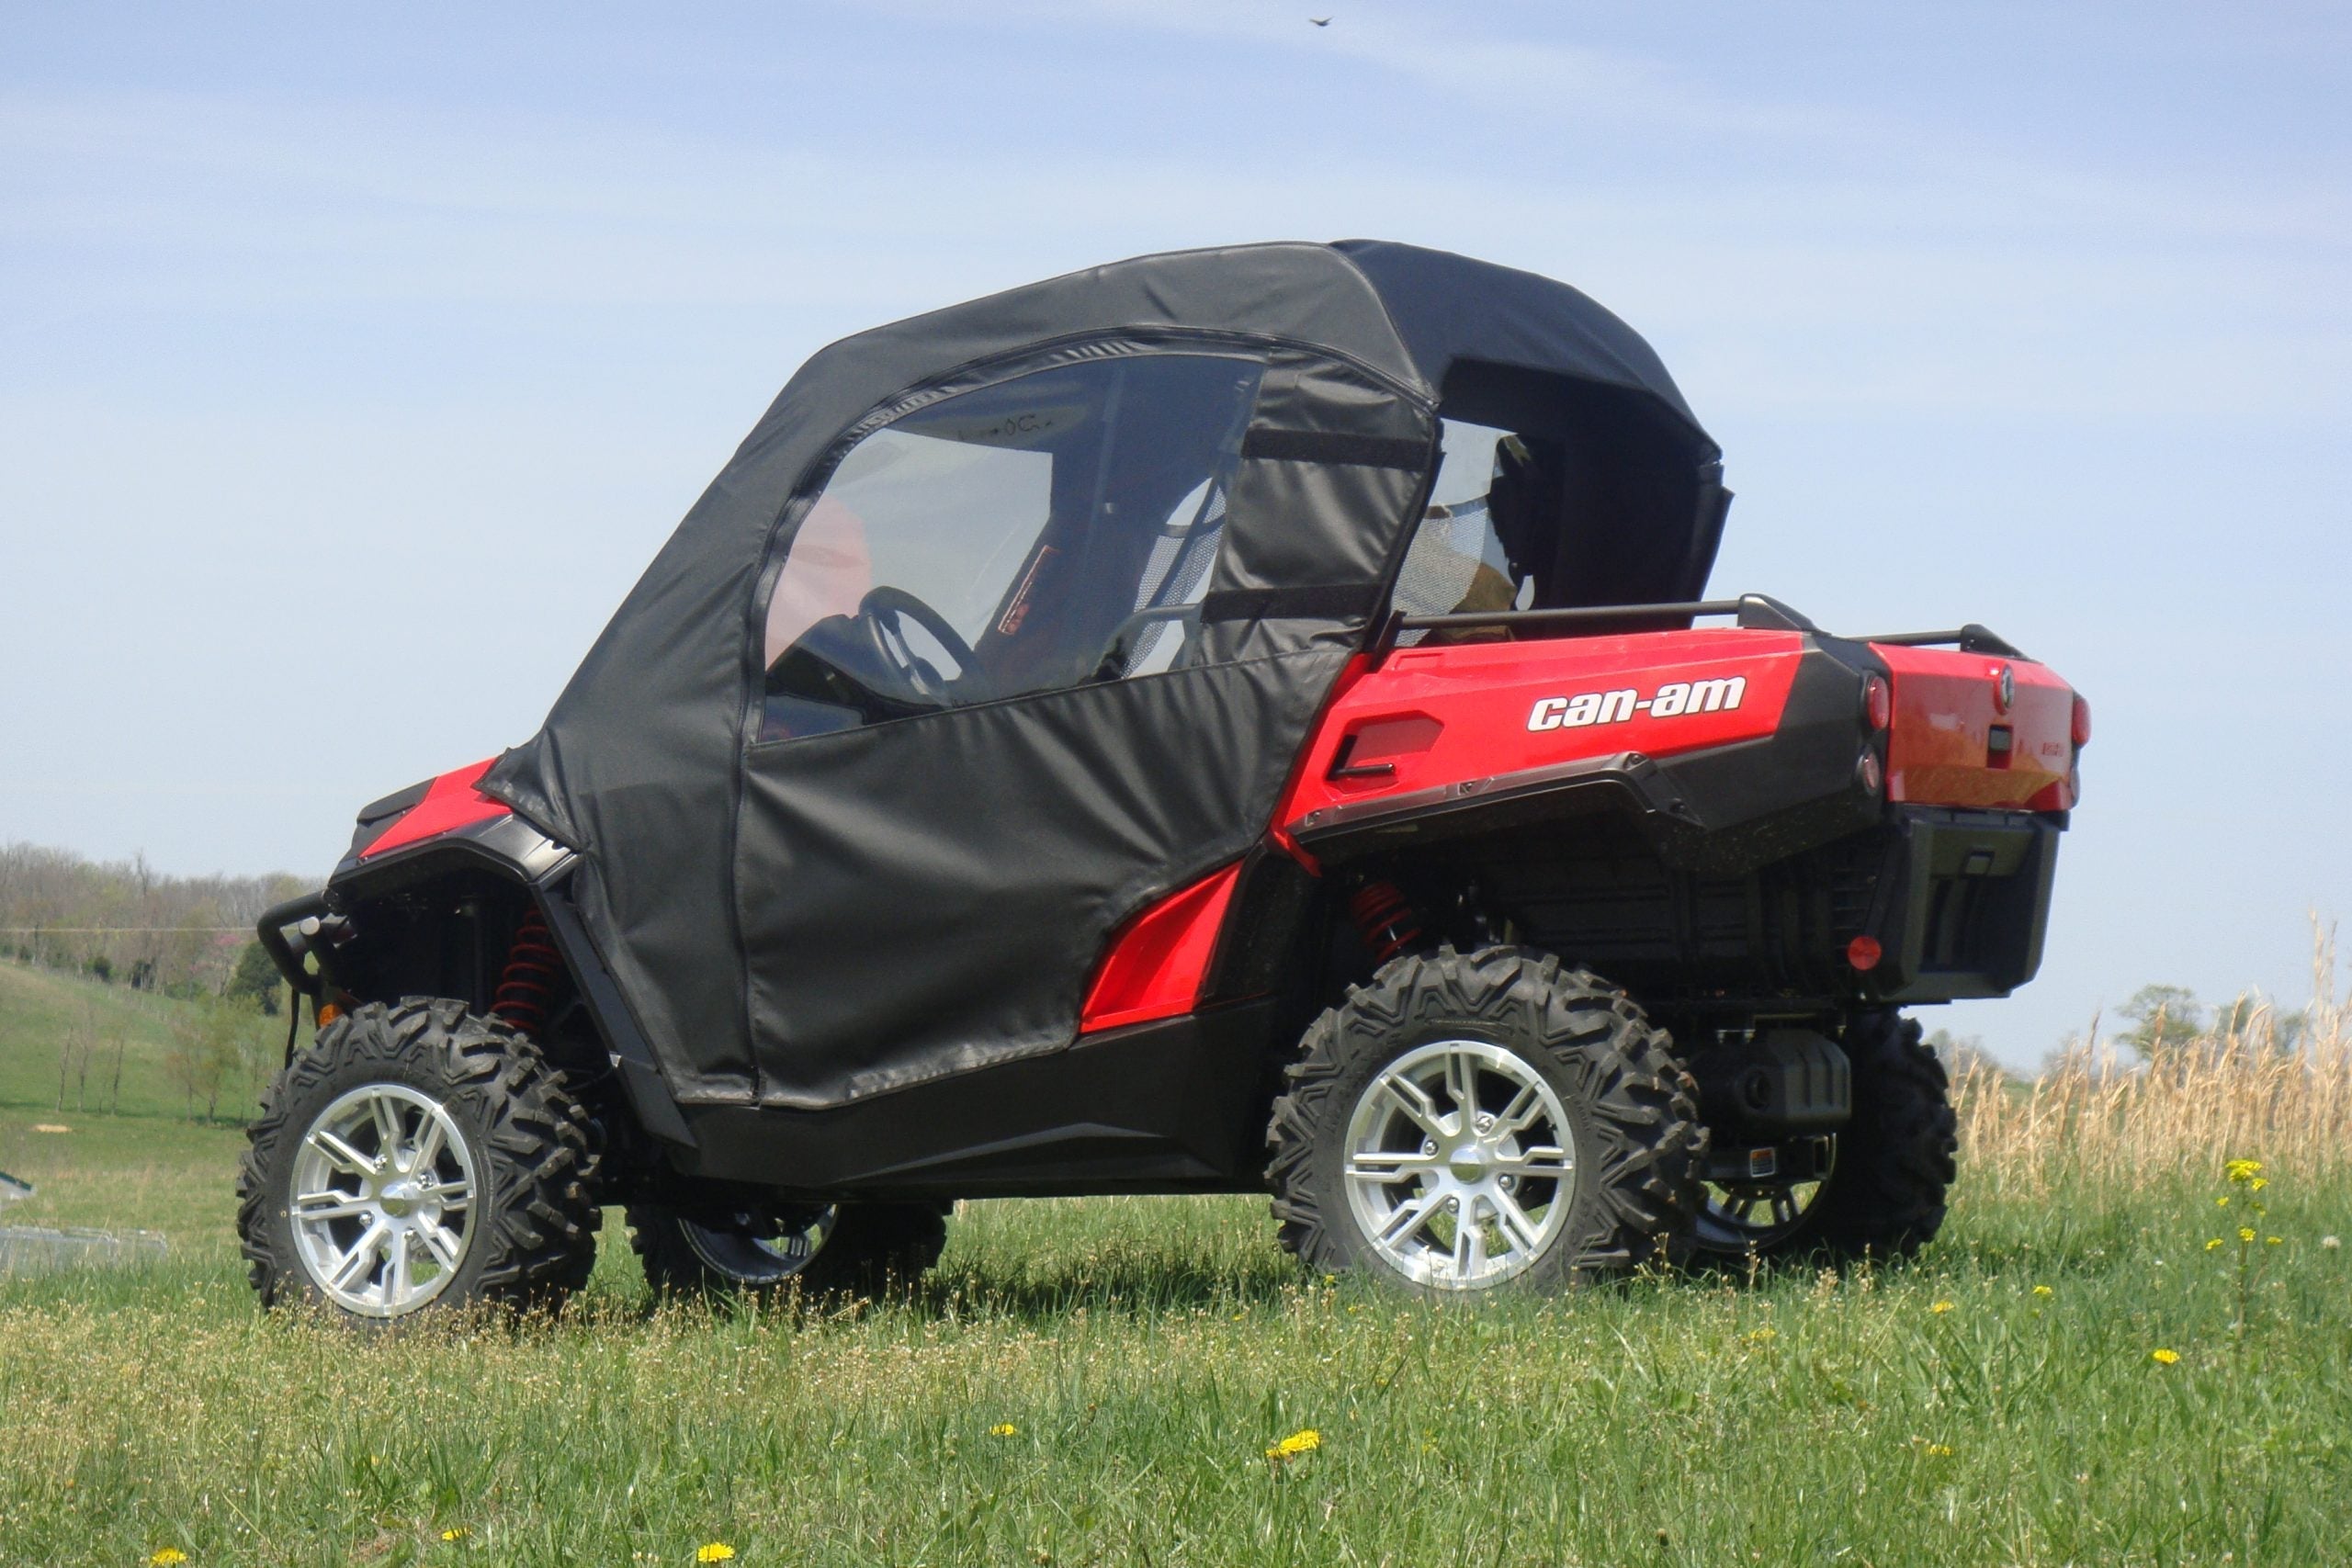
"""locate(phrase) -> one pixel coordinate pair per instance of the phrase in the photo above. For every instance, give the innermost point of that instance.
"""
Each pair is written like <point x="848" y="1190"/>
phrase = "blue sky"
<point x="354" y="361"/>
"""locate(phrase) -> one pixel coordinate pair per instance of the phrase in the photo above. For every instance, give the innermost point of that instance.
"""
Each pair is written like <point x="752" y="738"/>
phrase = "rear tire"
<point x="834" y="1250"/>
<point x="417" y="1157"/>
<point x="1899" y="1157"/>
<point x="1498" y="1087"/>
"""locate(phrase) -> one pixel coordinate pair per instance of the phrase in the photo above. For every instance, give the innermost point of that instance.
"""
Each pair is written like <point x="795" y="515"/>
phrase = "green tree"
<point x="208" y="1047"/>
<point x="255" y="979"/>
<point x="2164" y="1020"/>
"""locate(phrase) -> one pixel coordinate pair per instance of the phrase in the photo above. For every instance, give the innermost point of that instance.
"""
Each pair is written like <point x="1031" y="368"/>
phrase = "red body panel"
<point x="1431" y="717"/>
<point x="1940" y="750"/>
<point x="451" y="803"/>
<point x="1158" y="960"/>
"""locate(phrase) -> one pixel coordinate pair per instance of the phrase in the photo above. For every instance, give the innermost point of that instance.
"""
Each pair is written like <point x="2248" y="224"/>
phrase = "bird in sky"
<point x="1320" y="21"/>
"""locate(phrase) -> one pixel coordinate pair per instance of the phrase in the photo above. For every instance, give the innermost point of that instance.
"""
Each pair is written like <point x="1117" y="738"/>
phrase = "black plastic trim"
<point x="641" y="1080"/>
<point x="1173" y="1105"/>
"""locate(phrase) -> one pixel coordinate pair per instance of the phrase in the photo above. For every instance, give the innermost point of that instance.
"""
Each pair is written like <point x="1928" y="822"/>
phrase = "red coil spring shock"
<point x="1384" y="921"/>
<point x="528" y="981"/>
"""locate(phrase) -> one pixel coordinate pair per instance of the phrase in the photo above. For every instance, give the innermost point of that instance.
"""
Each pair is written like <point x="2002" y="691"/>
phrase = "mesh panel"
<point x="1442" y="562"/>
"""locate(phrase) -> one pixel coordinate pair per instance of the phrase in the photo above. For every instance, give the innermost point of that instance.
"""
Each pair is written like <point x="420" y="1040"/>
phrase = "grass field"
<point x="1099" y="1381"/>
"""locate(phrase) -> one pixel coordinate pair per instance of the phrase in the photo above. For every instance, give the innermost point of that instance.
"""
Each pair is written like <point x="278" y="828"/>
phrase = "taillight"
<point x="1878" y="702"/>
<point x="1864" y="952"/>
<point x="2082" y="721"/>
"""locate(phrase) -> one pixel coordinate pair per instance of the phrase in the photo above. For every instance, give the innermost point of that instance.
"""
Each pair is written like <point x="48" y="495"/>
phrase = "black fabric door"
<point x="1025" y="673"/>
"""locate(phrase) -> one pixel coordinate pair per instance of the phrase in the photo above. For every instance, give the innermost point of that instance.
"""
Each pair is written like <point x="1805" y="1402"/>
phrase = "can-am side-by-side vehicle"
<point x="1245" y="719"/>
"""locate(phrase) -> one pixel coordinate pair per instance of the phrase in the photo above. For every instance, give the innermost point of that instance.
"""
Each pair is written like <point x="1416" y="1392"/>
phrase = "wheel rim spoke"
<point x="342" y="1155"/>
<point x="1385" y="1165"/>
<point x="1409" y="1217"/>
<point x="1524" y="1108"/>
<point x="348" y="1272"/>
<point x="428" y="1145"/>
<point x="1415" y="1101"/>
<point x="1469" y="1242"/>
<point x="1461" y="1085"/>
<point x="1515" y="1223"/>
<point x="331" y="1205"/>
<point x="1546" y="1160"/>
<point x="441" y="1244"/>
<point x="387" y="1129"/>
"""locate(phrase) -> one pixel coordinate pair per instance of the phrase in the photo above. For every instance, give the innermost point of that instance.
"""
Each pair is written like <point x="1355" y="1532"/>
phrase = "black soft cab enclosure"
<point x="1010" y="619"/>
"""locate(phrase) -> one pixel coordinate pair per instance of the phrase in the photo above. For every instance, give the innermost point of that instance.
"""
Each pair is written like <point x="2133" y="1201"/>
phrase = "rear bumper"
<point x="1961" y="903"/>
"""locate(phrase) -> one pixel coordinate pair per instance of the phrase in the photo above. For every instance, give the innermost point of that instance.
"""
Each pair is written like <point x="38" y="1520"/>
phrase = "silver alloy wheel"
<point x="741" y="1252"/>
<point x="383" y="1199"/>
<point x="1460" y="1167"/>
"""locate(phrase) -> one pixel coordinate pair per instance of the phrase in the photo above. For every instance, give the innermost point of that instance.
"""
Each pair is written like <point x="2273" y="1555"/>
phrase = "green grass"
<point x="1148" y="1352"/>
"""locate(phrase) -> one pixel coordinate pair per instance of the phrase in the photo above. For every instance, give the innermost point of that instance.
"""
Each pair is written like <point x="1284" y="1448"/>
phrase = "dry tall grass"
<point x="2243" y="1089"/>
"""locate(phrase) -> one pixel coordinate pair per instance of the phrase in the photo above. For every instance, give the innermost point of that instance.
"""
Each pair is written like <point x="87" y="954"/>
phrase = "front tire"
<point x="417" y="1157"/>
<point x="1492" y="1120"/>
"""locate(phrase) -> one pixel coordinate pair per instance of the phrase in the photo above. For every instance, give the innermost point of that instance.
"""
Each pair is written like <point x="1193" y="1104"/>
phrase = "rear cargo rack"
<point x="1971" y="638"/>
<point x="1753" y="610"/>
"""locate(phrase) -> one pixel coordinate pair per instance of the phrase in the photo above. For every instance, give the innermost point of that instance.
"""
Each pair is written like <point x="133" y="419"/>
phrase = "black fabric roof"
<point x="1449" y="309"/>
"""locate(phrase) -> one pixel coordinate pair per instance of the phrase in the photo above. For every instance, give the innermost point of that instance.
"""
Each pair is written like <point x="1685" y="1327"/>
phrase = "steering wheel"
<point x="880" y="612"/>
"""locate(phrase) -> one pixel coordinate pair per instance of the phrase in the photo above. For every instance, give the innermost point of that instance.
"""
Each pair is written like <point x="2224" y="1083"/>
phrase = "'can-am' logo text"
<point x="1673" y="699"/>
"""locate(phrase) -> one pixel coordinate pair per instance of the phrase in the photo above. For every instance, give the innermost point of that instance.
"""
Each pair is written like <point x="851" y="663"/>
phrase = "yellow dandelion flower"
<point x="2043" y="1291"/>
<point x="2222" y="1201"/>
<point x="1304" y="1442"/>
<point x="2270" y="1241"/>
<point x="2259" y="1182"/>
<point x="1004" y="1430"/>
<point x="167" y="1557"/>
<point x="456" y="1532"/>
<point x="1761" y="1335"/>
<point x="2214" y="1244"/>
<point x="1939" y="1451"/>
<point x="2246" y="1232"/>
<point x="1941" y="1308"/>
<point x="2243" y="1169"/>
<point x="2164" y="1357"/>
<point x="714" y="1552"/>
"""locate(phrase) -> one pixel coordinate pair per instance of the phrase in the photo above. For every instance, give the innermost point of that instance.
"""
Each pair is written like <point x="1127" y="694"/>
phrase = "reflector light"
<point x="1863" y="954"/>
<point x="1868" y="771"/>
<point x="1878" y="702"/>
<point x="2082" y="720"/>
<point x="328" y="1014"/>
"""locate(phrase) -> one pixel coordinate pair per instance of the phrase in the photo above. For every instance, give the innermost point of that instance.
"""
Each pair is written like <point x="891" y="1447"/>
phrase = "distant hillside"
<point x="142" y="1052"/>
<point x="123" y="921"/>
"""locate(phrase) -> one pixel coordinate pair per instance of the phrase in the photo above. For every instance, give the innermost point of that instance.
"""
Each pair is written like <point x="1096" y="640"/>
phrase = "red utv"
<point x="1238" y="720"/>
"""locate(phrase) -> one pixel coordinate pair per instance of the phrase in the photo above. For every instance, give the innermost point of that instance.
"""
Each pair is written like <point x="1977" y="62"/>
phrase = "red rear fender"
<point x="1433" y="716"/>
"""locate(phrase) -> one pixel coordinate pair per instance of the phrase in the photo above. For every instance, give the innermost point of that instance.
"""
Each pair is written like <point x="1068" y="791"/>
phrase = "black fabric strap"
<point x="1334" y="446"/>
<point x="1321" y="602"/>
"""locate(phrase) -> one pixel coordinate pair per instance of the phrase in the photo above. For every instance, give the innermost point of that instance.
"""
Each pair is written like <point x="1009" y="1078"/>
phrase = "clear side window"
<point x="1458" y="559"/>
<point x="1048" y="530"/>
